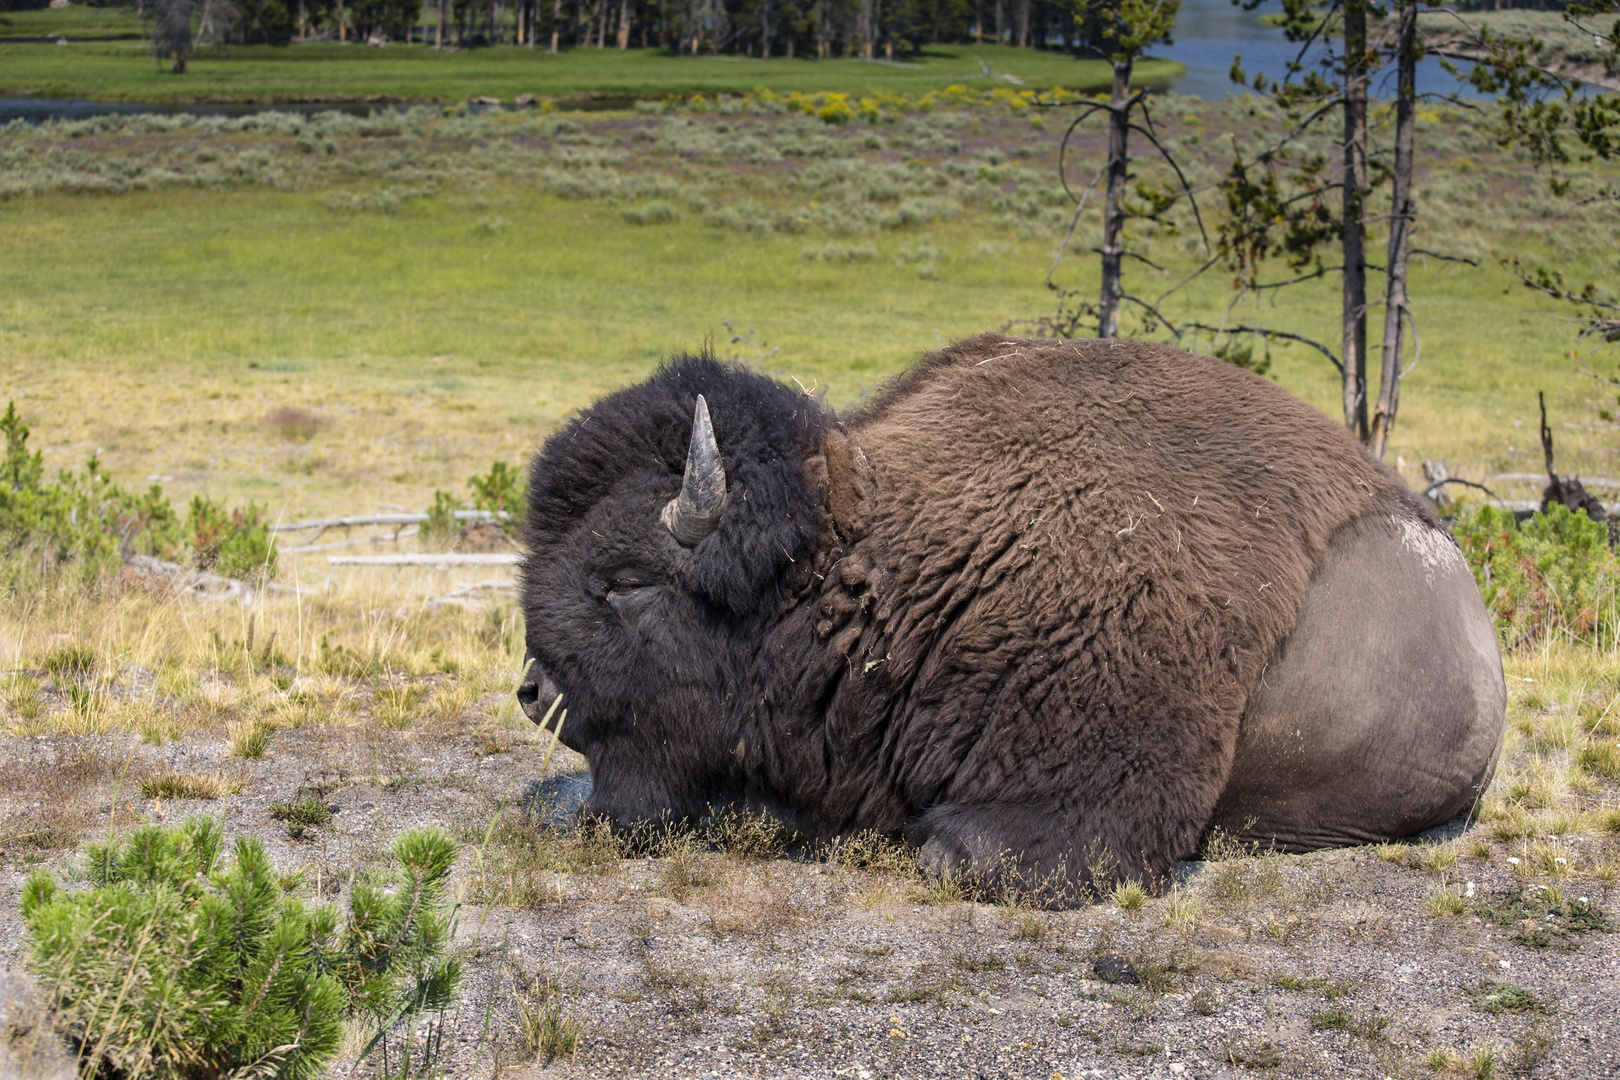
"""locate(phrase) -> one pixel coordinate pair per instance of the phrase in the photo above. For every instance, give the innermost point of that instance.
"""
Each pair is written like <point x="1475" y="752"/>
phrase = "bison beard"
<point x="1016" y="607"/>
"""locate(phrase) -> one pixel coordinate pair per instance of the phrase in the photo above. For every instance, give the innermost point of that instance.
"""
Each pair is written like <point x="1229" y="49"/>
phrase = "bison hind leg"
<point x="994" y="852"/>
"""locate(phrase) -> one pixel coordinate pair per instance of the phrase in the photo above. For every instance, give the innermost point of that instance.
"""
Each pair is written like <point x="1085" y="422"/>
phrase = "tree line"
<point x="867" y="29"/>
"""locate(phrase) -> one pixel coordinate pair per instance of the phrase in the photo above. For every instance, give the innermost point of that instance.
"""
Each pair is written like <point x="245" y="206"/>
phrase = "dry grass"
<point x="1130" y="896"/>
<point x="186" y="786"/>
<point x="53" y="800"/>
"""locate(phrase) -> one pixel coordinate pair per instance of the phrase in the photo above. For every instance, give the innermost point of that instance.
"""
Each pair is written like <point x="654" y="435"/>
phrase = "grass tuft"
<point x="1445" y="903"/>
<point x="1501" y="997"/>
<point x="302" y="814"/>
<point x="548" y="1023"/>
<point x="70" y="660"/>
<point x="250" y="738"/>
<point x="185" y="786"/>
<point x="1130" y="896"/>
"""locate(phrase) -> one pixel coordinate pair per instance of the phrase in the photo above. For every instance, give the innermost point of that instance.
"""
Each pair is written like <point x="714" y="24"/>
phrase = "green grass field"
<point x="73" y="22"/>
<point x="332" y="72"/>
<point x="443" y="290"/>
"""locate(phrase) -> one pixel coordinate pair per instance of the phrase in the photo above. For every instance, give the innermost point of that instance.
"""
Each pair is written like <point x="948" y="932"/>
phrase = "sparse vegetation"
<point x="1541" y="915"/>
<point x="1499" y="997"/>
<point x="1130" y="896"/>
<point x="302" y="814"/>
<point x="184" y="786"/>
<point x="251" y="738"/>
<point x="549" y="1023"/>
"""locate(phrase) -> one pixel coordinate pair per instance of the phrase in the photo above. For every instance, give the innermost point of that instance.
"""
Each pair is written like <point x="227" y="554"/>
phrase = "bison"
<point x="1060" y="606"/>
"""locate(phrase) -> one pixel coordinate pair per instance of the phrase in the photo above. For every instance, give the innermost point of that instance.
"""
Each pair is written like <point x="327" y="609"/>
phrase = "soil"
<point x="710" y="965"/>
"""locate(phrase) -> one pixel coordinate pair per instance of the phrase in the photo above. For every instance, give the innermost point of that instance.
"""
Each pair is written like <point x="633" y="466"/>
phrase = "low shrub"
<point x="233" y="543"/>
<point x="1552" y="575"/>
<point x="499" y="491"/>
<point x="175" y="964"/>
<point x="655" y="212"/>
<point x="85" y="520"/>
<point x="78" y="517"/>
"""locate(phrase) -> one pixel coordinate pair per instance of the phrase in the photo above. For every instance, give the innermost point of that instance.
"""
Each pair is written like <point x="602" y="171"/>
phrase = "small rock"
<point x="1115" y="969"/>
<point x="523" y="100"/>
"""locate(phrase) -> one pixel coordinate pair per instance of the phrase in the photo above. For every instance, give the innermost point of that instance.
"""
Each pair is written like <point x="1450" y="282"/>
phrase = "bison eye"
<point x="629" y="600"/>
<point x="627" y="589"/>
<point x="626" y="580"/>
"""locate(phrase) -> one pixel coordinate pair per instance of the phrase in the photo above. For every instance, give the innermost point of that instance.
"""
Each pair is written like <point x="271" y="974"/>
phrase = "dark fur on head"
<point x="645" y="677"/>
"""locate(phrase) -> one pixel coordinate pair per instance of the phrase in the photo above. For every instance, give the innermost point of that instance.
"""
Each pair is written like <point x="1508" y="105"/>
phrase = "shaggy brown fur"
<point x="1077" y="559"/>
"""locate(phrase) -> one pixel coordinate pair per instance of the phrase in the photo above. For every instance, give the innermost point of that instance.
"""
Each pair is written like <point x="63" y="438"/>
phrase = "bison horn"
<point x="695" y="512"/>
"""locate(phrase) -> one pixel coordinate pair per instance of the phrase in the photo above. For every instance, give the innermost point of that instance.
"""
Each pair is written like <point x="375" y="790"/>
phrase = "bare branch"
<point x="1443" y="481"/>
<point x="1073" y="222"/>
<point x="1154" y="311"/>
<point x="1445" y="258"/>
<point x="1594" y="375"/>
<point x="1063" y="147"/>
<point x="1135" y="255"/>
<point x="1213" y="259"/>
<point x="1417" y="344"/>
<point x="1268" y="333"/>
<point x="1186" y="189"/>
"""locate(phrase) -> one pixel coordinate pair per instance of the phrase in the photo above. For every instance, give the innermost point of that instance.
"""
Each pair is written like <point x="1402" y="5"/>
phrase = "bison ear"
<point x="848" y="484"/>
<point x="695" y="512"/>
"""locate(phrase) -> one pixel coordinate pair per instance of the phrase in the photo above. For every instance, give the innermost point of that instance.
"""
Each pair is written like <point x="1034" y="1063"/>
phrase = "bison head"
<point x="668" y="528"/>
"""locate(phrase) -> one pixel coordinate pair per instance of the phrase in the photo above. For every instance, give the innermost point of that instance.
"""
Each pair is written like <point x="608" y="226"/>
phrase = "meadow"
<point x="331" y="72"/>
<point x="344" y="314"/>
<point x="441" y="290"/>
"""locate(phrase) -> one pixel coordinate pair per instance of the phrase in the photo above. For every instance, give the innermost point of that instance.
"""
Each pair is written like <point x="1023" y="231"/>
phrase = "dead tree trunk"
<point x="623" y="37"/>
<point x="1354" y="312"/>
<point x="1113" y="245"/>
<point x="1403" y="213"/>
<point x="1023" y="24"/>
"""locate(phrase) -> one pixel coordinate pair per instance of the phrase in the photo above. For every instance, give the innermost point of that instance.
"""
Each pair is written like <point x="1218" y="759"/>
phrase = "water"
<point x="39" y="110"/>
<point x="1209" y="32"/>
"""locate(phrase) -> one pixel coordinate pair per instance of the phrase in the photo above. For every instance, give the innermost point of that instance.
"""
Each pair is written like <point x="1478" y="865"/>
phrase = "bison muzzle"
<point x="1054" y="606"/>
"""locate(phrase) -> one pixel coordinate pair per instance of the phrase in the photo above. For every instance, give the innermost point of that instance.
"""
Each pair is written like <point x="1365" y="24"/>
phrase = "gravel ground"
<point x="709" y="965"/>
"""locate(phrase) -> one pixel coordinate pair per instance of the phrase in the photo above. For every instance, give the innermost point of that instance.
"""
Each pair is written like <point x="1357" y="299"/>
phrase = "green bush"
<point x="500" y="490"/>
<point x="441" y="527"/>
<point x="233" y="543"/>
<point x="175" y="966"/>
<point x="393" y="964"/>
<point x="172" y="965"/>
<point x="78" y="516"/>
<point x="85" y="519"/>
<point x="1554" y="574"/>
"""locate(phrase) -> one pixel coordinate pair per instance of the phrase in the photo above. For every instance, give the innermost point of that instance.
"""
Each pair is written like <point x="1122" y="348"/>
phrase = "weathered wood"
<point x="311" y="549"/>
<point x="384" y="519"/>
<point x="1538" y="478"/>
<point x="427" y="559"/>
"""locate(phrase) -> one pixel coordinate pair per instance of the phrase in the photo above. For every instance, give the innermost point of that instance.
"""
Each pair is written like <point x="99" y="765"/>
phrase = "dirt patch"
<point x="697" y="962"/>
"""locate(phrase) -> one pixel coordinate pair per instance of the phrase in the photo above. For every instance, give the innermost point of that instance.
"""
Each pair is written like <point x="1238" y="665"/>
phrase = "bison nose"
<point x="536" y="693"/>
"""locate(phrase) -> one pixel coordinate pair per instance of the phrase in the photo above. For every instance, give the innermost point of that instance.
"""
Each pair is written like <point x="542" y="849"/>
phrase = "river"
<point x="1209" y="32"/>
